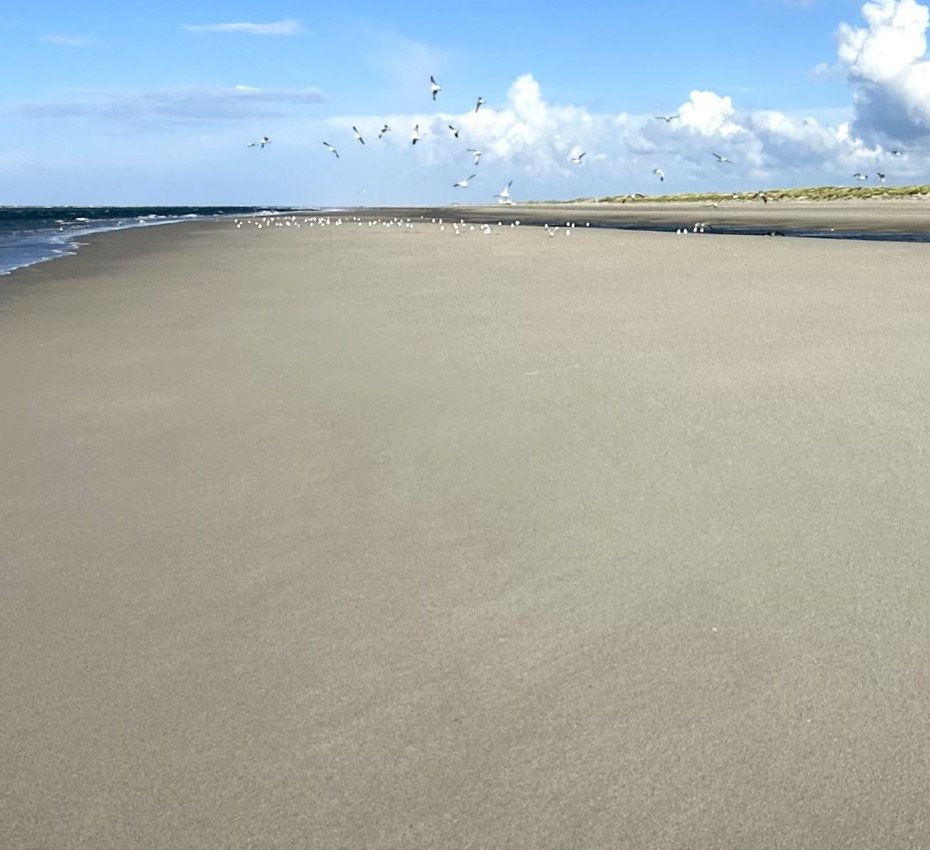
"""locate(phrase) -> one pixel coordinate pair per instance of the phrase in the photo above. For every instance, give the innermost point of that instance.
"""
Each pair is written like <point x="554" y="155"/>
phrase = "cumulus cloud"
<point x="193" y="104"/>
<point x="886" y="62"/>
<point x="289" y="27"/>
<point x="530" y="139"/>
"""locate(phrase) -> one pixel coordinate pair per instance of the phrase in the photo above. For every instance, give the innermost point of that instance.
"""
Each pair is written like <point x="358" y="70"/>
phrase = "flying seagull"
<point x="454" y="130"/>
<point x="723" y="158"/>
<point x="762" y="195"/>
<point x="659" y="173"/>
<point x="416" y="134"/>
<point x="477" y="154"/>
<point x="577" y="159"/>
<point x="264" y="140"/>
<point x="860" y="176"/>
<point x="463" y="184"/>
<point x="357" y="134"/>
<point x="880" y="176"/>
<point x="503" y="197"/>
<point x="667" y="118"/>
<point x="896" y="153"/>
<point x="331" y="148"/>
<point x="434" y="87"/>
<point x="384" y="129"/>
<point x="479" y="103"/>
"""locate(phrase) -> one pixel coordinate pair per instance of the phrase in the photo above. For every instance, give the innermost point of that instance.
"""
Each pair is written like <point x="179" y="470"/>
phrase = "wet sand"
<point x="367" y="537"/>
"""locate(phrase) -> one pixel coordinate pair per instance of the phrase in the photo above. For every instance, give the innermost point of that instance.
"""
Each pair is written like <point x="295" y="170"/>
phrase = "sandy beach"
<point x="369" y="537"/>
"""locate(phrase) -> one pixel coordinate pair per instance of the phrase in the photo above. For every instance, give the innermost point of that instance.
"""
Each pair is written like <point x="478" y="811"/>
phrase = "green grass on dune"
<point x="811" y="193"/>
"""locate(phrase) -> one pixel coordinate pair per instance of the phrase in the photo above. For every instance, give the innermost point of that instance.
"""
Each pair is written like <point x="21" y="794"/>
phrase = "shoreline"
<point x="905" y="220"/>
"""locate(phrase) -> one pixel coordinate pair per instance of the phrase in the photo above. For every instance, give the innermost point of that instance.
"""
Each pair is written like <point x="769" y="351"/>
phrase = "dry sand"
<point x="356" y="537"/>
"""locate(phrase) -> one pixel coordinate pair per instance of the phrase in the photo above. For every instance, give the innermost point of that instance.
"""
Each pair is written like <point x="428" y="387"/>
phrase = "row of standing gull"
<point x="503" y="197"/>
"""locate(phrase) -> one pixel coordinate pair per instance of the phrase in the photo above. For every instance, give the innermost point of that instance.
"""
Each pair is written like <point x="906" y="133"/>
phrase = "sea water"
<point x="31" y="235"/>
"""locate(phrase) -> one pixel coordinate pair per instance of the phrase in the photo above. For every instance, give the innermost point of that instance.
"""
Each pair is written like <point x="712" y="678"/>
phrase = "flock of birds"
<point x="503" y="197"/>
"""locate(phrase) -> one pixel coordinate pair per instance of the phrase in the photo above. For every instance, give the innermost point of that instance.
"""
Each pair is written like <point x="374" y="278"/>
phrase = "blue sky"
<point x="107" y="103"/>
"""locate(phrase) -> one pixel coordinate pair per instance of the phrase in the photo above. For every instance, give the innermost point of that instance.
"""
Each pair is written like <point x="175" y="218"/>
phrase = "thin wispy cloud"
<point x="289" y="27"/>
<point x="69" y="40"/>
<point x="190" y="105"/>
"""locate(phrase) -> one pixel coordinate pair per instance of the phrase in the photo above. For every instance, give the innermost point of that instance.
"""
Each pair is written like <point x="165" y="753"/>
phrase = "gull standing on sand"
<point x="331" y="148"/>
<point x="477" y="154"/>
<point x="264" y="140"/>
<point x="416" y="134"/>
<point x="463" y="184"/>
<point x="723" y="158"/>
<point x="357" y="134"/>
<point x="659" y="173"/>
<point x="384" y="129"/>
<point x="479" y="103"/>
<point x="434" y="87"/>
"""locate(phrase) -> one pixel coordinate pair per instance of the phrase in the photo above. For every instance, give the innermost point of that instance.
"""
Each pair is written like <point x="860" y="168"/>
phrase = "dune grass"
<point x="811" y="193"/>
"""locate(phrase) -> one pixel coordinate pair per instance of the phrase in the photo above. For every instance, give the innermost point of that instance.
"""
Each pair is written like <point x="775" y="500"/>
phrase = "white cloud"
<point x="886" y="62"/>
<point x="531" y="140"/>
<point x="193" y="104"/>
<point x="289" y="27"/>
<point x="69" y="40"/>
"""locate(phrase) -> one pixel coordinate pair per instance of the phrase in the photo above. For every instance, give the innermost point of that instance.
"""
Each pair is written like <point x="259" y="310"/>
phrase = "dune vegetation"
<point x="811" y="193"/>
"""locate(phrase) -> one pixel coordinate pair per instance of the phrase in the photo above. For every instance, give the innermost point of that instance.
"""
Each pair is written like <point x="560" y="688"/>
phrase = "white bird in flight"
<point x="479" y="103"/>
<point x="659" y="173"/>
<point x="454" y="130"/>
<point x="577" y="159"/>
<point x="880" y="176"/>
<point x="503" y="197"/>
<point x="667" y="118"/>
<point x="477" y="154"/>
<point x="723" y="158"/>
<point x="331" y="148"/>
<point x="860" y="176"/>
<point x="434" y="87"/>
<point x="384" y="129"/>
<point x="896" y="153"/>
<point x="416" y="134"/>
<point x="264" y="140"/>
<point x="357" y="134"/>
<point x="463" y="184"/>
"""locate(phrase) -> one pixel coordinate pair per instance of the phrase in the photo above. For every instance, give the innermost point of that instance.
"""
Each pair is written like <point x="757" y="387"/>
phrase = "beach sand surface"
<point x="385" y="537"/>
